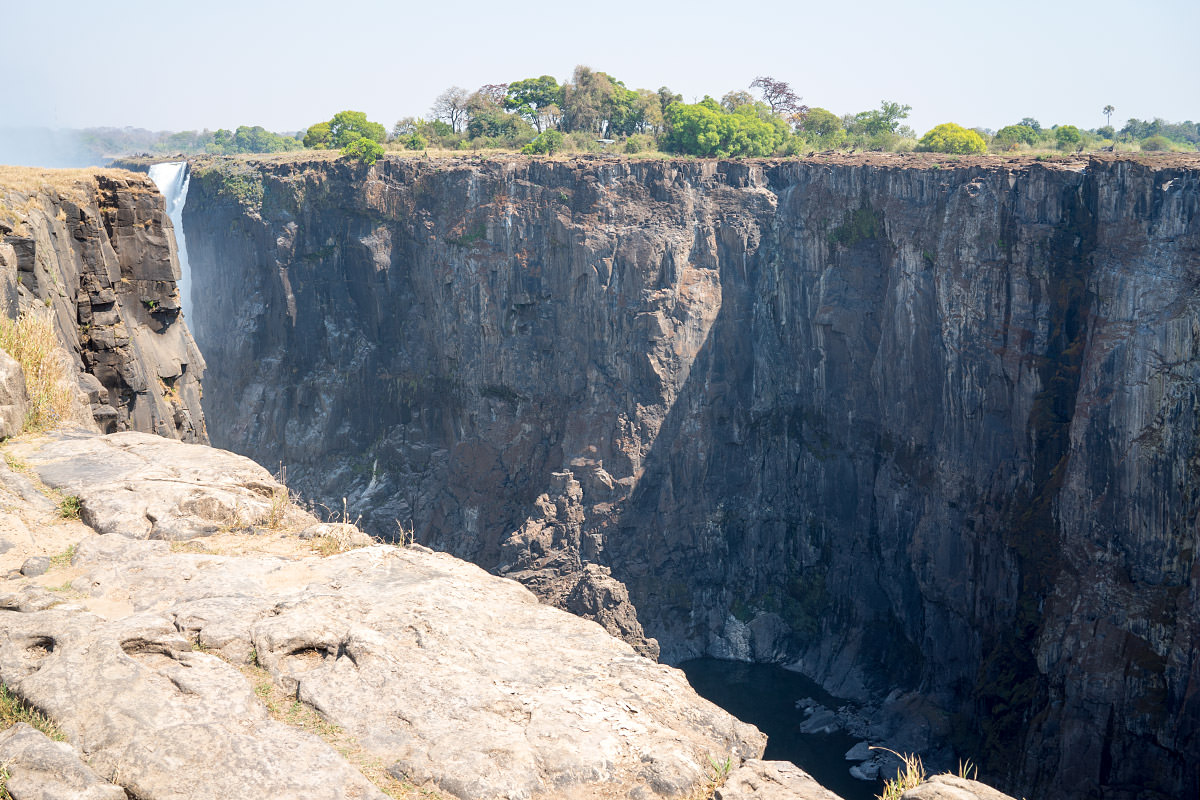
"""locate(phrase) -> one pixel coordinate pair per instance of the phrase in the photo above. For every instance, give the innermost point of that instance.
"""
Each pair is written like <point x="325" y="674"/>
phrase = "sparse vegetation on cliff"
<point x="351" y="133"/>
<point x="32" y="341"/>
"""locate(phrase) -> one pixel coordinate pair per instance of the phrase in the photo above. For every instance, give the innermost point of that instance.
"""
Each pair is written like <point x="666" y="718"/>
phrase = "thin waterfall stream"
<point x="172" y="179"/>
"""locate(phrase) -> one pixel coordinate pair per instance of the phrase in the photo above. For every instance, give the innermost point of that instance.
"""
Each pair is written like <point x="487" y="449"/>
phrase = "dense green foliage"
<point x="363" y="149"/>
<point x="352" y="134"/>
<point x="1184" y="133"/>
<point x="250" y="140"/>
<point x="343" y="130"/>
<point x="546" y="143"/>
<point x="594" y="111"/>
<point x="707" y="129"/>
<point x="951" y="138"/>
<point x="883" y="120"/>
<point x="1068" y="137"/>
<point x="821" y="122"/>
<point x="1010" y="137"/>
<point x="536" y="100"/>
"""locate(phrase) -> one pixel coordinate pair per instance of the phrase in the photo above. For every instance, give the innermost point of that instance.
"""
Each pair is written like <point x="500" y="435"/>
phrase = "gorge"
<point x="922" y="428"/>
<point x="925" y="428"/>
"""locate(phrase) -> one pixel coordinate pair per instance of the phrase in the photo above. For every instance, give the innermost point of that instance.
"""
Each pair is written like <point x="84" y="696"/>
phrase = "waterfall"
<point x="172" y="180"/>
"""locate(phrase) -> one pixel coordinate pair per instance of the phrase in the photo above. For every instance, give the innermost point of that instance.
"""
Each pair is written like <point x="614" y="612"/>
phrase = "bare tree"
<point x="779" y="96"/>
<point x="494" y="92"/>
<point x="451" y="107"/>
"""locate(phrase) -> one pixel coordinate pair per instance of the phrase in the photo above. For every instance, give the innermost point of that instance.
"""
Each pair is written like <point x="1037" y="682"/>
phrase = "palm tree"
<point x="1108" y="111"/>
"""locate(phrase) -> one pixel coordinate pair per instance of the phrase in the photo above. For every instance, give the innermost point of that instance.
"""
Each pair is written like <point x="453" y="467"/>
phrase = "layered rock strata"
<point x="94" y="251"/>
<point x="926" y="427"/>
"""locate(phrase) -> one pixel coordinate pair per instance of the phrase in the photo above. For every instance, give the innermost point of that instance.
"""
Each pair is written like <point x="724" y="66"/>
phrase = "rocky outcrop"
<point x="36" y="767"/>
<point x="244" y="664"/>
<point x="952" y="787"/>
<point x="771" y="780"/>
<point x="133" y="484"/>
<point x="924" y="427"/>
<point x="94" y="251"/>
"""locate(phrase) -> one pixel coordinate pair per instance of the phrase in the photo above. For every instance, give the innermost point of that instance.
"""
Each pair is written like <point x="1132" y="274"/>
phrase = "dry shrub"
<point x="31" y="340"/>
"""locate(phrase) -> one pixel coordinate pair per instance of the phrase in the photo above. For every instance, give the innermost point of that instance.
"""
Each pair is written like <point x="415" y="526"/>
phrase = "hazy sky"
<point x="285" y="65"/>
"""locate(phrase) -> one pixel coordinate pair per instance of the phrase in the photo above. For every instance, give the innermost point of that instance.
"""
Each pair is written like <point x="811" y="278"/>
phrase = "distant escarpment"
<point x="92" y="252"/>
<point x="932" y="428"/>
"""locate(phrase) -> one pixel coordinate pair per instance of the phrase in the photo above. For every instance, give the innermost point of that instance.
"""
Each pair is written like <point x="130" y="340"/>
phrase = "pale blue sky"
<point x="285" y="65"/>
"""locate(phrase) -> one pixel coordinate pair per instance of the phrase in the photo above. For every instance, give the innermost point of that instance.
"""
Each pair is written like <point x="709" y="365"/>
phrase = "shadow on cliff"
<point x="729" y="542"/>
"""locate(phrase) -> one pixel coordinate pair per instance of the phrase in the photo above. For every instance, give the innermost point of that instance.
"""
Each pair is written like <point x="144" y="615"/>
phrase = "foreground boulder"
<point x="178" y="672"/>
<point x="40" y="768"/>
<point x="953" y="787"/>
<point x="142" y="486"/>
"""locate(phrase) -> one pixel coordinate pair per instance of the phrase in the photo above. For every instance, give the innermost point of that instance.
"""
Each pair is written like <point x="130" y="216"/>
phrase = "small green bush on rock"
<point x="546" y="143"/>
<point x="363" y="149"/>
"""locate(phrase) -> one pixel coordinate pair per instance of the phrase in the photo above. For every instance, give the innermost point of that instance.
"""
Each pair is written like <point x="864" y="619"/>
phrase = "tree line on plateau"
<point x="595" y="111"/>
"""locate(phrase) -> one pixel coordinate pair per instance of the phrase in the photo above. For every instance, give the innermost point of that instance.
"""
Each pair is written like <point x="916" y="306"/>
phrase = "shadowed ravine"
<point x="927" y="430"/>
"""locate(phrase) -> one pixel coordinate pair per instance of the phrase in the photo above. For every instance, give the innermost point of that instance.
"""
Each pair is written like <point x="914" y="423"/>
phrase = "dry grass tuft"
<point x="339" y="540"/>
<point x="31" y="340"/>
<point x="276" y="515"/>
<point x="911" y="776"/>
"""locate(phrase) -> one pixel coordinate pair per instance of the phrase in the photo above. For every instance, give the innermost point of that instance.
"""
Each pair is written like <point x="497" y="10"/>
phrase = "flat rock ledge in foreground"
<point x="440" y="674"/>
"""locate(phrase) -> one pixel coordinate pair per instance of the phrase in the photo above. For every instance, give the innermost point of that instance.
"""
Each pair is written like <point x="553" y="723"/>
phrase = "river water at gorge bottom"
<point x="765" y="695"/>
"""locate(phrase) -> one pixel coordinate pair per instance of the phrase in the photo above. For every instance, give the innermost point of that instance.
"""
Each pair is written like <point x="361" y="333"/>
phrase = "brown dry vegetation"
<point x="31" y="180"/>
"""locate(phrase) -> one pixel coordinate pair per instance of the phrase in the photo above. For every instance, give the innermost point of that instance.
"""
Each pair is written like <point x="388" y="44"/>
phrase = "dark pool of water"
<point x="765" y="695"/>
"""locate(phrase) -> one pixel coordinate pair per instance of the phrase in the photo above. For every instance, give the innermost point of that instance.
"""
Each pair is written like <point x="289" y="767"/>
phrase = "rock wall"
<point x="94" y="251"/>
<point x="928" y="429"/>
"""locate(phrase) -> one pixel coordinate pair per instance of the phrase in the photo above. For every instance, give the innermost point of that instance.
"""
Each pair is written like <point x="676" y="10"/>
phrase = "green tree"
<point x="595" y="102"/>
<point x="1108" y="112"/>
<point x="1151" y="143"/>
<point x="343" y="130"/>
<point x="885" y="119"/>
<point x="488" y="120"/>
<point x="1010" y="137"/>
<point x="951" y="138"/>
<point x="547" y="142"/>
<point x="1068" y="137"/>
<point x="315" y="138"/>
<point x="363" y="149"/>
<point x="534" y="100"/>
<point x="1030" y="122"/>
<point x="821" y="123"/>
<point x="347" y="126"/>
<point x="706" y="129"/>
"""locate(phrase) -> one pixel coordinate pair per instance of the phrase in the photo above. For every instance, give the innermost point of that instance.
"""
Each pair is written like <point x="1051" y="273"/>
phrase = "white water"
<point x="172" y="180"/>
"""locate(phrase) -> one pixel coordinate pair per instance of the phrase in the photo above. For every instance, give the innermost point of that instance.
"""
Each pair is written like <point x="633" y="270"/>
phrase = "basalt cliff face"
<point x="94" y="252"/>
<point x="924" y="428"/>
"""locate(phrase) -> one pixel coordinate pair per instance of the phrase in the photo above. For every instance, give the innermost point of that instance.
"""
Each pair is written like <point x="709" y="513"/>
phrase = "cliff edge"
<point x="94" y="251"/>
<point x="246" y="650"/>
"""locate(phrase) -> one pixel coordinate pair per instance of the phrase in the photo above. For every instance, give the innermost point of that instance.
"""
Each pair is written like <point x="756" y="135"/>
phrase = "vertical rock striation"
<point x="922" y="426"/>
<point x="94" y="251"/>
